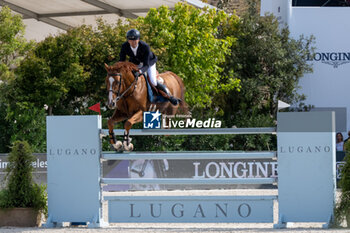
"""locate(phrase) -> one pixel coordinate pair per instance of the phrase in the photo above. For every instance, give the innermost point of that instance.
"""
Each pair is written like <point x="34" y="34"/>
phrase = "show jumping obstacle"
<point x="306" y="175"/>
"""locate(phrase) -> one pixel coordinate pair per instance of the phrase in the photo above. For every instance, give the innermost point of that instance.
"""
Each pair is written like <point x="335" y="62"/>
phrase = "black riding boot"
<point x="172" y="99"/>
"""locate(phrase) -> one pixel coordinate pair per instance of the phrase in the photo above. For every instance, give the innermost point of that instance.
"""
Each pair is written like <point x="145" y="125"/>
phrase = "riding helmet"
<point x="133" y="34"/>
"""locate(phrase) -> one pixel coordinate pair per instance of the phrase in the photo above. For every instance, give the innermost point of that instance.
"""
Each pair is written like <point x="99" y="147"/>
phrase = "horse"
<point x="127" y="94"/>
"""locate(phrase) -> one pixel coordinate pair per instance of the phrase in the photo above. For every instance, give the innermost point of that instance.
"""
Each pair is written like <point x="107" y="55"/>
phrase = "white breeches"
<point x="152" y="74"/>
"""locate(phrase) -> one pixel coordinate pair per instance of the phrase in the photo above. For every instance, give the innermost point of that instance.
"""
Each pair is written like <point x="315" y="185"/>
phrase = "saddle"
<point x="154" y="89"/>
<point x="154" y="95"/>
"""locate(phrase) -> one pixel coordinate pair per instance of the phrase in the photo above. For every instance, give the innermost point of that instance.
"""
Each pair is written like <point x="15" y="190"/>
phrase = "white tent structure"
<point x="45" y="17"/>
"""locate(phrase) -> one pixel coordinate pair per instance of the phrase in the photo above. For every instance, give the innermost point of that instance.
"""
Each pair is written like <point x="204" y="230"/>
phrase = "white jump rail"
<point x="182" y="155"/>
<point x="204" y="131"/>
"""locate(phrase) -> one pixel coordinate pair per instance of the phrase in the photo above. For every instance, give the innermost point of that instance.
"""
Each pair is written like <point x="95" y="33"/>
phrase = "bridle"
<point x="117" y="93"/>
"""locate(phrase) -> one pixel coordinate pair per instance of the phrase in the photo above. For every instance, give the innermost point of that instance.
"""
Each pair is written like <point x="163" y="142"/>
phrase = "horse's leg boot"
<point x="164" y="89"/>
<point x="112" y="138"/>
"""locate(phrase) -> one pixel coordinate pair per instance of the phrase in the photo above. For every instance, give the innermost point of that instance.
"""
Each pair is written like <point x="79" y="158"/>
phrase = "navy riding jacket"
<point x="143" y="54"/>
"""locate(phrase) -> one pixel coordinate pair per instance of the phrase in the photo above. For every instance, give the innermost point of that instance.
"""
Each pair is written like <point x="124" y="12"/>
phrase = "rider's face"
<point x="133" y="43"/>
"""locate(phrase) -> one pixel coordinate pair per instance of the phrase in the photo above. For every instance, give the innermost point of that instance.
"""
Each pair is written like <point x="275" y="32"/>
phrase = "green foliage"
<point x="264" y="58"/>
<point x="53" y="75"/>
<point x="343" y="207"/>
<point x="21" y="120"/>
<point x="18" y="119"/>
<point x="269" y="64"/>
<point x="67" y="70"/>
<point x="233" y="69"/>
<point x="64" y="73"/>
<point x="347" y="147"/>
<point x="186" y="43"/>
<point x="6" y="131"/>
<point x="12" y="42"/>
<point x="21" y="191"/>
<point x="28" y="123"/>
<point x="257" y="142"/>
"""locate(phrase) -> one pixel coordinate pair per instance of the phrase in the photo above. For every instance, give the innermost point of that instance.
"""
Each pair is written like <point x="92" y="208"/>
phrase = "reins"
<point x="119" y="97"/>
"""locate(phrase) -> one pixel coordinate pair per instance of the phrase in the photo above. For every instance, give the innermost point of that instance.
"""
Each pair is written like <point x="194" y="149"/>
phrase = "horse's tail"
<point x="183" y="105"/>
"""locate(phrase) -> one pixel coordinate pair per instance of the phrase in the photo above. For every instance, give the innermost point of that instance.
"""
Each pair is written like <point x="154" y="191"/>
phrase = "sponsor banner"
<point x="39" y="164"/>
<point x="191" y="209"/>
<point x="218" y="169"/>
<point x="331" y="60"/>
<point x="211" y="169"/>
<point x="334" y="59"/>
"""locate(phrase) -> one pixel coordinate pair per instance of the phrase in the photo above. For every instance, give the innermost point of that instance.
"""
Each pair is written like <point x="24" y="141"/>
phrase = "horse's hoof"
<point x="129" y="147"/>
<point x="118" y="145"/>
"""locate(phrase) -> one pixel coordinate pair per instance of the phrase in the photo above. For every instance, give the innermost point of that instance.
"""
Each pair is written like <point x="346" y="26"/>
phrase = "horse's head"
<point x="119" y="81"/>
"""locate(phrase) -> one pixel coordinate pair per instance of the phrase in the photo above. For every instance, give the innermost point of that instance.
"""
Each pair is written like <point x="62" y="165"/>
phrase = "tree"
<point x="21" y="120"/>
<point x="342" y="211"/>
<point x="52" y="74"/>
<point x="186" y="43"/>
<point x="6" y="131"/>
<point x="66" y="72"/>
<point x="68" y="69"/>
<point x="13" y="45"/>
<point x="17" y="120"/>
<point x="268" y="62"/>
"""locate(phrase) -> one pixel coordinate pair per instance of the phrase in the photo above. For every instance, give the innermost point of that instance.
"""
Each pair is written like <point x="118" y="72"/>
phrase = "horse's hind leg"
<point x="117" y="145"/>
<point x="137" y="117"/>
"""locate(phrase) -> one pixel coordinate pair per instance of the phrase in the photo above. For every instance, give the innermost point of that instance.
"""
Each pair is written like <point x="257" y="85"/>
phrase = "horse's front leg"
<point x="137" y="117"/>
<point x="117" y="117"/>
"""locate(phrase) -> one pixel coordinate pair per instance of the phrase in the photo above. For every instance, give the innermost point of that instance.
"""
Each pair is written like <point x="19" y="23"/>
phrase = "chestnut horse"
<point x="128" y="96"/>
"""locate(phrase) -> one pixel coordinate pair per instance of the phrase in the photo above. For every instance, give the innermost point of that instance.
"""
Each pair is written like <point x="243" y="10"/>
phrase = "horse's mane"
<point x="124" y="65"/>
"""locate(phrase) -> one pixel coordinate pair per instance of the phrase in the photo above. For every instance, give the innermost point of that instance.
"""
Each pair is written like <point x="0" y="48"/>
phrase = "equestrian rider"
<point x="141" y="55"/>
